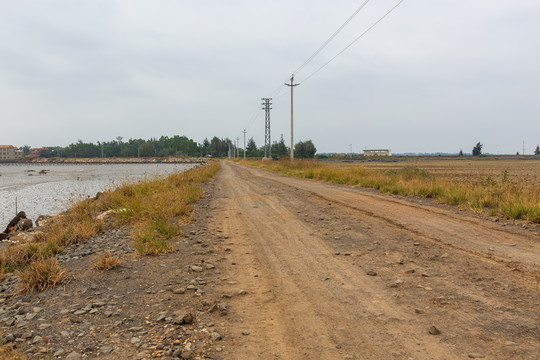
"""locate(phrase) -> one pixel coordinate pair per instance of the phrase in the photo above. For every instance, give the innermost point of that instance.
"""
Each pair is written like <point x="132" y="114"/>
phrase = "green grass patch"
<point x="150" y="242"/>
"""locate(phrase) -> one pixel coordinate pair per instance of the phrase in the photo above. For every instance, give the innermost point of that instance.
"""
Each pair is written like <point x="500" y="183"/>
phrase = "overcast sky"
<point x="432" y="76"/>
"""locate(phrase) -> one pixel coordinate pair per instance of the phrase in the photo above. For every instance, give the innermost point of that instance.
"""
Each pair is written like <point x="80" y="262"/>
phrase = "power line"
<point x="354" y="41"/>
<point x="254" y="117"/>
<point x="278" y="90"/>
<point x="331" y="38"/>
<point x="280" y="96"/>
<point x="276" y="93"/>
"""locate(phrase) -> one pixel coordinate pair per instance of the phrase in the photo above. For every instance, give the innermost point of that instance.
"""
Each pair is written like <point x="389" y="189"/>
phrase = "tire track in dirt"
<point x="306" y="302"/>
<point x="486" y="239"/>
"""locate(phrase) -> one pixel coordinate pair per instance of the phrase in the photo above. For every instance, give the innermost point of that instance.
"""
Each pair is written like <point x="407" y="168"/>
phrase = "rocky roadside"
<point x="170" y="306"/>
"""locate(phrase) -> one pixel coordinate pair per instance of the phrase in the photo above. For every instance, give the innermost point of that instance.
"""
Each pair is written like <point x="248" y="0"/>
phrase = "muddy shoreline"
<point x="43" y="161"/>
<point x="167" y="306"/>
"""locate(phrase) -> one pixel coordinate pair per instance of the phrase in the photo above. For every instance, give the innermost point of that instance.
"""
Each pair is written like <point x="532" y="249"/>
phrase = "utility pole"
<point x="292" y="85"/>
<point x="237" y="143"/>
<point x="523" y="153"/>
<point x="267" y="142"/>
<point x="350" y="145"/>
<point x="101" y="149"/>
<point x="244" y="144"/>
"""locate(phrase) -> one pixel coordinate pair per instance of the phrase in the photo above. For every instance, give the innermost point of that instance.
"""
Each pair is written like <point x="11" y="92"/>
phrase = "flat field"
<point x="508" y="188"/>
<point x="522" y="172"/>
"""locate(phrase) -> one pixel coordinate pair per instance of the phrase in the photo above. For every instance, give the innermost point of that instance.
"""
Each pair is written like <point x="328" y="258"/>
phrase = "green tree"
<point x="305" y="150"/>
<point x="219" y="147"/>
<point x="537" y="150"/>
<point x="26" y="150"/>
<point x="45" y="153"/>
<point x="477" y="150"/>
<point x="279" y="149"/>
<point x="146" y="149"/>
<point x="205" y="147"/>
<point x="251" y="149"/>
<point x="460" y="152"/>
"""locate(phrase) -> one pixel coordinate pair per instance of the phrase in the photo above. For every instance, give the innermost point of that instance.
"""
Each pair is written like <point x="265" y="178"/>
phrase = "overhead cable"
<point x="278" y="90"/>
<point x="354" y="41"/>
<point x="331" y="38"/>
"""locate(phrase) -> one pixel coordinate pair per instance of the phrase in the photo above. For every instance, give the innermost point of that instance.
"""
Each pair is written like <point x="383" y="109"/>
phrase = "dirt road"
<point x="335" y="272"/>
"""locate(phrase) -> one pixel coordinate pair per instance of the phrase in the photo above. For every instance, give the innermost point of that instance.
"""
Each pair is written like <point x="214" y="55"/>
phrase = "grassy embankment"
<point x="155" y="209"/>
<point x="495" y="195"/>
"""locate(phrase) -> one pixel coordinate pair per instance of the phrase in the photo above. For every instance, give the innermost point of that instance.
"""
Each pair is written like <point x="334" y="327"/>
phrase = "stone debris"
<point x="121" y="311"/>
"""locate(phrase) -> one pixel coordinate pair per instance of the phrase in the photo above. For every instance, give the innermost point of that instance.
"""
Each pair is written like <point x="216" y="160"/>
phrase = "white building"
<point x="378" y="152"/>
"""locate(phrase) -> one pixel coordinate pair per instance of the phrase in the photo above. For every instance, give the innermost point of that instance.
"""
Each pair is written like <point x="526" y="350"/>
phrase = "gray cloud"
<point x="433" y="76"/>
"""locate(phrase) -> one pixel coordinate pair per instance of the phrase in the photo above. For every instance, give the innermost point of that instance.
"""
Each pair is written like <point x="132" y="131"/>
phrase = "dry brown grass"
<point x="10" y="353"/>
<point x="106" y="262"/>
<point x="17" y="256"/>
<point x="41" y="274"/>
<point x="155" y="209"/>
<point x="507" y="188"/>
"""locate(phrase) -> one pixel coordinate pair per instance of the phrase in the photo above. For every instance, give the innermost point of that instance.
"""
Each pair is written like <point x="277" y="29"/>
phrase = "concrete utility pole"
<point x="267" y="138"/>
<point x="237" y="144"/>
<point x="244" y="144"/>
<point x="292" y="85"/>
<point x="101" y="149"/>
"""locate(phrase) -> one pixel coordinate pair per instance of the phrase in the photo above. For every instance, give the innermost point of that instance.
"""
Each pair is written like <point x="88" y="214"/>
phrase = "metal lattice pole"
<point x="267" y="138"/>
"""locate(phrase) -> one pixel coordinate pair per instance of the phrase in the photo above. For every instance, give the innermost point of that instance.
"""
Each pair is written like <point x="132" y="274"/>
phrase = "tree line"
<point x="279" y="150"/>
<point x="171" y="146"/>
<point x="477" y="150"/>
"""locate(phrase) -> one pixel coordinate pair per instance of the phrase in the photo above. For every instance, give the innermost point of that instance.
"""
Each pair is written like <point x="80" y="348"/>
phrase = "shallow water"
<point x="43" y="189"/>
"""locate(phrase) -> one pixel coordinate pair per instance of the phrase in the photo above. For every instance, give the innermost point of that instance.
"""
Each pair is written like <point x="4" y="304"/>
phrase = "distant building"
<point x="35" y="152"/>
<point x="10" y="152"/>
<point x="378" y="152"/>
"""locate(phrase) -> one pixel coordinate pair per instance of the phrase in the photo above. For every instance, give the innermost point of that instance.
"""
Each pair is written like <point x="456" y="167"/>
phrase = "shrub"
<point x="106" y="262"/>
<point x="41" y="274"/>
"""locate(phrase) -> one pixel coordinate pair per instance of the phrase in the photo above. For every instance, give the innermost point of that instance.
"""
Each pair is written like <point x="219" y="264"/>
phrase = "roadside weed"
<point x="517" y="200"/>
<point x="155" y="208"/>
<point x="106" y="262"/>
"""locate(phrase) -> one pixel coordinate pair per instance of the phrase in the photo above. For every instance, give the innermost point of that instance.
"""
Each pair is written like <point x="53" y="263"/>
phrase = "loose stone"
<point x="73" y="356"/>
<point x="476" y="356"/>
